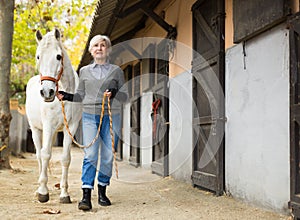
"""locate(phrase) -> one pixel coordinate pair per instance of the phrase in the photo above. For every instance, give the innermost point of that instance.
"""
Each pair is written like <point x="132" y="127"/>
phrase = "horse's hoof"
<point x="43" y="198"/>
<point x="66" y="199"/>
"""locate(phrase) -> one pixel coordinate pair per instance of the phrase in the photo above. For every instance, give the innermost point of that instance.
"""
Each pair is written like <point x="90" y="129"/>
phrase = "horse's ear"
<point x="57" y="34"/>
<point x="38" y="35"/>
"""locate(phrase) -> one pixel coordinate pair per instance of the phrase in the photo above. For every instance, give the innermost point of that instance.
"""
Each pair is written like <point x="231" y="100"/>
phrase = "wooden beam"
<point x="172" y="31"/>
<point x="132" y="9"/>
<point x="161" y="22"/>
<point x="114" y="18"/>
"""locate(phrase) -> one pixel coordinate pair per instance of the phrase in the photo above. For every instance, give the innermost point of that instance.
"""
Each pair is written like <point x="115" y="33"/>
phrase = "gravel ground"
<point x="137" y="194"/>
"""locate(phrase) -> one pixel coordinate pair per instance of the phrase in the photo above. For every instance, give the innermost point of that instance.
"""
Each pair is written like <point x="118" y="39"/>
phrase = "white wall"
<point x="180" y="135"/>
<point x="145" y="134"/>
<point x="146" y="130"/>
<point x="126" y="132"/>
<point x="257" y="129"/>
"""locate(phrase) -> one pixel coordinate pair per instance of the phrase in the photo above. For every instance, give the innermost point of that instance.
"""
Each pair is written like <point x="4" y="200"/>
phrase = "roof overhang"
<point x="120" y="20"/>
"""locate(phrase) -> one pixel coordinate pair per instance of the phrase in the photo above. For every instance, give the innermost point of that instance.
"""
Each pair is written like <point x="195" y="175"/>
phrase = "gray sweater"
<point x="90" y="89"/>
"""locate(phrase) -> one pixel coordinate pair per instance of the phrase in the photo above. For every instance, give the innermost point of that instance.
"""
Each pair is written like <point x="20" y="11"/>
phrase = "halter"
<point x="52" y="78"/>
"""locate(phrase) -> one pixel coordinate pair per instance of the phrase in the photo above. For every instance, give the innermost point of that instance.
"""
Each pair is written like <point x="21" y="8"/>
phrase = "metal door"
<point x="160" y="112"/>
<point x="208" y="58"/>
<point x="294" y="25"/>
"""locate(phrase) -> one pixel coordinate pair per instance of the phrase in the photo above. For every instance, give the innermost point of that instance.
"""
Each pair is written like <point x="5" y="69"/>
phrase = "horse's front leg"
<point x="37" y="140"/>
<point x="43" y="192"/>
<point x="65" y="163"/>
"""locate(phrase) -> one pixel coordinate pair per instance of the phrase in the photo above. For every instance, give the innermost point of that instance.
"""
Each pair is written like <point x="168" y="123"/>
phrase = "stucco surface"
<point x="257" y="128"/>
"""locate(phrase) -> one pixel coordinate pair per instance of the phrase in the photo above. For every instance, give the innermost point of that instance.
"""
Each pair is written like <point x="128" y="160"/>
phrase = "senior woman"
<point x="98" y="79"/>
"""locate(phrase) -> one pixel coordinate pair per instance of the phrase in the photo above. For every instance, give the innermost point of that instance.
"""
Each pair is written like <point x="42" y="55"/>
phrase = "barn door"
<point x="119" y="149"/>
<point x="295" y="115"/>
<point x="135" y="117"/>
<point x="160" y="113"/>
<point x="208" y="42"/>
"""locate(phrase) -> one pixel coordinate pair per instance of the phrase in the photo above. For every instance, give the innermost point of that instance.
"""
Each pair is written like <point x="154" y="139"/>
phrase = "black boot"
<point x="85" y="203"/>
<point x="102" y="199"/>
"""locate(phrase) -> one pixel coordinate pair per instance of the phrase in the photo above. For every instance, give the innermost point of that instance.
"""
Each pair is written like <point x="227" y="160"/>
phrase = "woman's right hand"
<point x="107" y="93"/>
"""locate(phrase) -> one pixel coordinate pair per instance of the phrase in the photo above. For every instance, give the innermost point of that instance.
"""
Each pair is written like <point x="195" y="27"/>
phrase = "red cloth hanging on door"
<point x="155" y="106"/>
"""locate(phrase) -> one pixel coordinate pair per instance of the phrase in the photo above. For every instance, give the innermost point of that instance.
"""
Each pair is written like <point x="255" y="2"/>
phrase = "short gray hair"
<point x="97" y="38"/>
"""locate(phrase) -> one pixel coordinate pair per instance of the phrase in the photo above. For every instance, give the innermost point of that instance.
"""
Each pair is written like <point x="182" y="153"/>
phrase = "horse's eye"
<point x="38" y="57"/>
<point x="58" y="57"/>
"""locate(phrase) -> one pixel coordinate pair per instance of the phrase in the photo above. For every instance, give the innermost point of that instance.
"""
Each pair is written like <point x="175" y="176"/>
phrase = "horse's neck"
<point x="69" y="78"/>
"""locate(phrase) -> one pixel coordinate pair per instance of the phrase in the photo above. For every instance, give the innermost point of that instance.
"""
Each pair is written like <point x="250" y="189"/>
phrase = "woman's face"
<point x="99" y="50"/>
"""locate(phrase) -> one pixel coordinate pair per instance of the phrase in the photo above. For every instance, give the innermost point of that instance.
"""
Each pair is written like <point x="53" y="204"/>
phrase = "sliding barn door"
<point x="208" y="42"/>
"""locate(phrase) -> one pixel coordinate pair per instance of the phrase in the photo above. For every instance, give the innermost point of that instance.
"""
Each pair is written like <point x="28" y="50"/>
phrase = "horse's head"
<point x="49" y="60"/>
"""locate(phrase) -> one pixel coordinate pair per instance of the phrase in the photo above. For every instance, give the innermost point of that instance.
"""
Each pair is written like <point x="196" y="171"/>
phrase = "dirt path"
<point x="137" y="194"/>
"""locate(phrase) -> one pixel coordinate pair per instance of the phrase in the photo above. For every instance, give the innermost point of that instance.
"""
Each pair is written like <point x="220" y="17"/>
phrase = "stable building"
<point x="214" y="93"/>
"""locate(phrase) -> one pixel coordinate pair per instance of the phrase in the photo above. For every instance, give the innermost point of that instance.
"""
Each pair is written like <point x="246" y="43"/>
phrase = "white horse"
<point x="44" y="111"/>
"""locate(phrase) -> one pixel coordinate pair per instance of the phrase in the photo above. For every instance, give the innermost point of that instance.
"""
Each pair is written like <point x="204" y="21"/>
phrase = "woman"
<point x="96" y="80"/>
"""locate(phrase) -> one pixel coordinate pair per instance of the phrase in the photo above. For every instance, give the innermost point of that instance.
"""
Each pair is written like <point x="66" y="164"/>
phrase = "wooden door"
<point x="135" y="117"/>
<point x="119" y="149"/>
<point x="208" y="44"/>
<point x="134" y="158"/>
<point x="294" y="25"/>
<point x="160" y="109"/>
<point x="160" y="130"/>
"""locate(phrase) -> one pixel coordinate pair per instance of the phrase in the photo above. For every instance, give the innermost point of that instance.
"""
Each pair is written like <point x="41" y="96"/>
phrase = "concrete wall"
<point x="126" y="132"/>
<point x="146" y="130"/>
<point x="257" y="131"/>
<point x="180" y="135"/>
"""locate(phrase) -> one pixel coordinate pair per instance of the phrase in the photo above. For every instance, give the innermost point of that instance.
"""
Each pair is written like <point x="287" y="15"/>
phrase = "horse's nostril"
<point x="42" y="93"/>
<point x="51" y="92"/>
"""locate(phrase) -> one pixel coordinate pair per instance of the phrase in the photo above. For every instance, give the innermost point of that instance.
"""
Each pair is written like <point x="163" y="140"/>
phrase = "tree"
<point x="72" y="18"/>
<point x="17" y="46"/>
<point x="6" y="35"/>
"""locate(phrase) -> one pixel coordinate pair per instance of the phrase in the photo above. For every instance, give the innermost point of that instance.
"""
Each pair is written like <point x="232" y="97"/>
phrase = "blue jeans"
<point x="90" y="123"/>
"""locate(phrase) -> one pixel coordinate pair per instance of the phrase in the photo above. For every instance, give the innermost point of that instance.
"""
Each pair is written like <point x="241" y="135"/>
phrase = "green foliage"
<point x="71" y="17"/>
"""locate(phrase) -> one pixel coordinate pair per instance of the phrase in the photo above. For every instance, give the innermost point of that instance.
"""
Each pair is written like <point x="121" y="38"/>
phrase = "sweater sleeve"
<point x="70" y="97"/>
<point x="122" y="93"/>
<point x="80" y="92"/>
